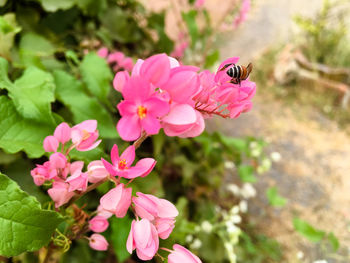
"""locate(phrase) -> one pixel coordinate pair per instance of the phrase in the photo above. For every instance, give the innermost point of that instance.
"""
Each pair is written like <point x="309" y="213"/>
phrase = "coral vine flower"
<point x="84" y="135"/>
<point x="140" y="110"/>
<point x="143" y="237"/>
<point x="121" y="166"/>
<point x="181" y="254"/>
<point x="98" y="224"/>
<point x="78" y="180"/>
<point x="117" y="200"/>
<point x="96" y="171"/>
<point x="59" y="193"/>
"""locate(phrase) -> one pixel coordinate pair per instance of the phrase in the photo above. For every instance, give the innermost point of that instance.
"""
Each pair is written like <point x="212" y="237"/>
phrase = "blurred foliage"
<point x="325" y="37"/>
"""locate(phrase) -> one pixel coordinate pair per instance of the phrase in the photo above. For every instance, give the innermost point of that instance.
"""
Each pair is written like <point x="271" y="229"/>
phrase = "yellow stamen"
<point x="122" y="164"/>
<point x="142" y="112"/>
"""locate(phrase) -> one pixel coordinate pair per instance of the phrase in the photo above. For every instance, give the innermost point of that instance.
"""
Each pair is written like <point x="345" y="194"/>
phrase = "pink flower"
<point x="40" y="174"/>
<point x="242" y="16"/>
<point x="117" y="200"/>
<point x="50" y="144"/>
<point x="98" y="224"/>
<point x="96" y="171"/>
<point x="62" y="133"/>
<point x="98" y="242"/>
<point x="59" y="193"/>
<point x="78" y="180"/>
<point x="164" y="227"/>
<point x="103" y="52"/>
<point x="181" y="254"/>
<point x="199" y="3"/>
<point x="156" y="69"/>
<point x="150" y="207"/>
<point x="121" y="166"/>
<point x="143" y="237"/>
<point x="84" y="135"/>
<point x="140" y="109"/>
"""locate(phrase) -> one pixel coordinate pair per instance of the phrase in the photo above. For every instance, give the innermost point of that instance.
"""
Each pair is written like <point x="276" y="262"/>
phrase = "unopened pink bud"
<point x="57" y="161"/>
<point x="50" y="144"/>
<point x="98" y="224"/>
<point x="98" y="242"/>
<point x="62" y="132"/>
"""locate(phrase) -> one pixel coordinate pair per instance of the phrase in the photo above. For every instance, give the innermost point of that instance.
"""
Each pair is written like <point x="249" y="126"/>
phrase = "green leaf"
<point x="71" y="93"/>
<point x="212" y="58"/>
<point x="274" y="198"/>
<point x="97" y="75"/>
<point x="245" y="173"/>
<point x="54" y="5"/>
<point x="34" y="50"/>
<point x="32" y="93"/>
<point x="333" y="240"/>
<point x="190" y="19"/>
<point x="24" y="226"/>
<point x="120" y="230"/>
<point x="17" y="133"/>
<point x="8" y="30"/>
<point x="308" y="231"/>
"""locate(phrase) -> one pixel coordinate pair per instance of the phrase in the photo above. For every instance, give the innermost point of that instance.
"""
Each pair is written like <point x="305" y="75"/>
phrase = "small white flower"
<point x="189" y="238"/>
<point x="248" y="191"/>
<point x="236" y="219"/>
<point x="234" y="210"/>
<point x="243" y="206"/>
<point x="196" y="244"/>
<point x="300" y="255"/>
<point x="256" y="152"/>
<point x="275" y="156"/>
<point x="253" y="145"/>
<point x="233" y="188"/>
<point x="207" y="226"/>
<point x="229" y="165"/>
<point x="321" y="261"/>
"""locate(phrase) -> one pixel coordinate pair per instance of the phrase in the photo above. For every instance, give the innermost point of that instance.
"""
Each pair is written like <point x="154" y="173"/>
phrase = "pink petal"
<point x="128" y="155"/>
<point x="129" y="128"/>
<point x="146" y="165"/>
<point x="110" y="200"/>
<point x="120" y="80"/>
<point x="62" y="132"/>
<point x="89" y="125"/>
<point x="109" y="167"/>
<point x="127" y="107"/>
<point x="76" y="167"/>
<point x="124" y="203"/>
<point x="136" y="89"/>
<point x="115" y="155"/>
<point x="130" y="242"/>
<point x="150" y="124"/>
<point x="156" y="69"/>
<point x="156" y="106"/>
<point x="196" y="129"/>
<point x="142" y="233"/>
<point x="181" y="114"/>
<point x="50" y="144"/>
<point x="137" y="67"/>
<point x="166" y="209"/>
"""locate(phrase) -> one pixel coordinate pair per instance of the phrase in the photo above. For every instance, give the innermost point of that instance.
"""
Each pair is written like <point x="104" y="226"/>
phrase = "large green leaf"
<point x="24" y="225"/>
<point x="17" y="133"/>
<point x="97" y="75"/>
<point x="120" y="230"/>
<point x="32" y="93"/>
<point x="71" y="93"/>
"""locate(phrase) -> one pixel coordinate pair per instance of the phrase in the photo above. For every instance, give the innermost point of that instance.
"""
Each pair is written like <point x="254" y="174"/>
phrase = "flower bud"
<point x="98" y="242"/>
<point x="50" y="144"/>
<point x="62" y="133"/>
<point x="98" y="224"/>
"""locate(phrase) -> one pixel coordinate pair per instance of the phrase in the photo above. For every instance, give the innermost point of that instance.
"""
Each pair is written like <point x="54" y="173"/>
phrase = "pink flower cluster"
<point x="242" y="15"/>
<point x="116" y="59"/>
<point x="161" y="93"/>
<point x="67" y="177"/>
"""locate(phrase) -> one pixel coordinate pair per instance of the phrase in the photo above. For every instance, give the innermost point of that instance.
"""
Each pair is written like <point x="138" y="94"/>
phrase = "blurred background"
<point x="269" y="186"/>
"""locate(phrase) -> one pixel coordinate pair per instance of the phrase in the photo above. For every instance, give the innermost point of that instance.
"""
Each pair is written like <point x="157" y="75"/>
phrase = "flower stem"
<point x="140" y="140"/>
